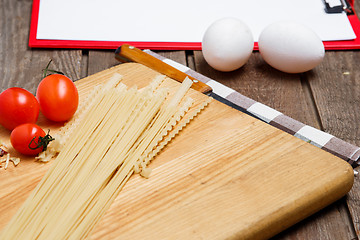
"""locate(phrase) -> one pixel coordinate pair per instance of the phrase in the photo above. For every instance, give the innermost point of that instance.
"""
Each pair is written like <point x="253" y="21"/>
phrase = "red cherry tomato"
<point x="29" y="139"/>
<point x="17" y="106"/>
<point x="58" y="97"/>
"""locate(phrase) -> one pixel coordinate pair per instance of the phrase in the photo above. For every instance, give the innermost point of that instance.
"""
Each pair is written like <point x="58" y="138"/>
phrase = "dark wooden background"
<point x="327" y="97"/>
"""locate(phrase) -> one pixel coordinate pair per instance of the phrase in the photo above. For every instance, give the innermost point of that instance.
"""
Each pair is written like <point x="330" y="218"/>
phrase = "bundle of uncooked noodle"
<point x="116" y="133"/>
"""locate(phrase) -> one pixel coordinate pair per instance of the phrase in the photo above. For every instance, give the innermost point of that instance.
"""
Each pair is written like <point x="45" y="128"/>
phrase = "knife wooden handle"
<point x="126" y="52"/>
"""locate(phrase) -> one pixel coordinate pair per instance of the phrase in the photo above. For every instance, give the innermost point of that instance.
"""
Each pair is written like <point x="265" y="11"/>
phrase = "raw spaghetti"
<point x="118" y="131"/>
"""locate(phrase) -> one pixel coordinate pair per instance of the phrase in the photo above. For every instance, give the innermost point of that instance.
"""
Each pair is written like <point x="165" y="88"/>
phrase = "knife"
<point x="127" y="53"/>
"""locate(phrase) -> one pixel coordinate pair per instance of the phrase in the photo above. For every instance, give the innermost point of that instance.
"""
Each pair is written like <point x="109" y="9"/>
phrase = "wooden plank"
<point x="19" y="65"/>
<point x="336" y="92"/>
<point x="329" y="223"/>
<point x="239" y="182"/>
<point x="100" y="60"/>
<point x="177" y="56"/>
<point x="103" y="59"/>
<point x="289" y="94"/>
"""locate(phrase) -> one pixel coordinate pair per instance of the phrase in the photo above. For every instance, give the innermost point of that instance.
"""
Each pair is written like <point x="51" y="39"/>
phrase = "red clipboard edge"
<point x="34" y="22"/>
<point x="77" y="44"/>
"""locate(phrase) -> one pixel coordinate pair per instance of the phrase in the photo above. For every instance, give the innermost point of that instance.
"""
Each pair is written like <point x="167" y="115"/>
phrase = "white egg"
<point x="227" y="44"/>
<point x="291" y="47"/>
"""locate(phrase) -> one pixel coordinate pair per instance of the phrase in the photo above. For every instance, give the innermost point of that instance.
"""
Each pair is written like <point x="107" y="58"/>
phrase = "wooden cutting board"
<point x="226" y="176"/>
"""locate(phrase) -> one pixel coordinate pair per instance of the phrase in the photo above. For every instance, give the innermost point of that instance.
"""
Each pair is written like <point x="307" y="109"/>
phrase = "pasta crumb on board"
<point x="119" y="130"/>
<point x="5" y="157"/>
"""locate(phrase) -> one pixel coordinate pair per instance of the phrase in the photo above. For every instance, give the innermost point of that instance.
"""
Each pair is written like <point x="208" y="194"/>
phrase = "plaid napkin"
<point x="318" y="138"/>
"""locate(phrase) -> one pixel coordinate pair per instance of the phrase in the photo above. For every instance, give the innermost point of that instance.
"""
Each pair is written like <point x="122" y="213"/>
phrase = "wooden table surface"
<point x="327" y="98"/>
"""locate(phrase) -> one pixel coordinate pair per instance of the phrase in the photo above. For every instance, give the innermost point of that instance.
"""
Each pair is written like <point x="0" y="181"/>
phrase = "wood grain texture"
<point x="177" y="56"/>
<point x="100" y="60"/>
<point x="246" y="179"/>
<point x="329" y="223"/>
<point x="19" y="65"/>
<point x="336" y="90"/>
<point x="291" y="95"/>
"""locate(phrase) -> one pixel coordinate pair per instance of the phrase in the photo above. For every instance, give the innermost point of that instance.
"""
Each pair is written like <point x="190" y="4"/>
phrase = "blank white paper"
<point x="178" y="21"/>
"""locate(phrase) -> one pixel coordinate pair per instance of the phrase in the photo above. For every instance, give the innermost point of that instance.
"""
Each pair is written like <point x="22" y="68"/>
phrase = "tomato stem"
<point x="46" y="70"/>
<point x="42" y="142"/>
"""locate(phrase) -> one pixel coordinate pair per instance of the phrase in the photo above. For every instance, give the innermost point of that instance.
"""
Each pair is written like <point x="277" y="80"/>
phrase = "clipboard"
<point x="35" y="42"/>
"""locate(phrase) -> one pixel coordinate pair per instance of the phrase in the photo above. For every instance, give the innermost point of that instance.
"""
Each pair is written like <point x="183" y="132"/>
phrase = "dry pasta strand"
<point x="116" y="132"/>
